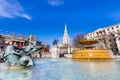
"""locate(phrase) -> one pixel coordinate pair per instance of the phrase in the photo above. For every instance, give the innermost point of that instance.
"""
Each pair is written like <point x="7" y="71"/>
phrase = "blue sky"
<point x="46" y="18"/>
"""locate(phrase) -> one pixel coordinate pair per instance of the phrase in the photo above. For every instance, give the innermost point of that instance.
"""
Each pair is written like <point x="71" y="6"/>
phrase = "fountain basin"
<point x="17" y="67"/>
<point x="93" y="50"/>
<point x="93" y="54"/>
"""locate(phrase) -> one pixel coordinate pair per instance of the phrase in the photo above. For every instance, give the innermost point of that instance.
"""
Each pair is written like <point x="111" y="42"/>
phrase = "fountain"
<point x="93" y="50"/>
<point x="20" y="57"/>
<point x="55" y="52"/>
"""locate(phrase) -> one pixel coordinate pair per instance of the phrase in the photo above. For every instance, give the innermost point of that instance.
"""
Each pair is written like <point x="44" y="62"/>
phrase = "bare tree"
<point x="77" y="39"/>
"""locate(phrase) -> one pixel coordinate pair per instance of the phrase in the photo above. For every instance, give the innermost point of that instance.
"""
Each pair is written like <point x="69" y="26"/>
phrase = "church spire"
<point x="65" y="36"/>
<point x="65" y="31"/>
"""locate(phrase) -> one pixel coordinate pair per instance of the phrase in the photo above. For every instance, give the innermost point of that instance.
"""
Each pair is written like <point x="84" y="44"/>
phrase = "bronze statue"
<point x="15" y="56"/>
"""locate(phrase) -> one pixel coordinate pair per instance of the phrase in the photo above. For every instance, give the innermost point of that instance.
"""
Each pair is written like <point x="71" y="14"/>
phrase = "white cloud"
<point x="12" y="9"/>
<point x="56" y="2"/>
<point x="26" y="16"/>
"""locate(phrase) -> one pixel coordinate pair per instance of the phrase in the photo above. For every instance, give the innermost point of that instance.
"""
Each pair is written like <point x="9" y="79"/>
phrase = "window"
<point x="116" y="49"/>
<point x="3" y="41"/>
<point x="114" y="39"/>
<point x="109" y="40"/>
<point x="110" y="45"/>
<point x="116" y="26"/>
<point x="115" y="44"/>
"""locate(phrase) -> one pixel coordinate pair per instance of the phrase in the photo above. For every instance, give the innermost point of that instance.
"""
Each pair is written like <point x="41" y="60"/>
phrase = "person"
<point x="46" y="50"/>
<point x="40" y="53"/>
<point x="20" y="45"/>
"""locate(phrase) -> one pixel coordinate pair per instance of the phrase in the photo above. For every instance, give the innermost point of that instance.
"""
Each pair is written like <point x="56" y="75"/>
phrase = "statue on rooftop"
<point x="15" y="56"/>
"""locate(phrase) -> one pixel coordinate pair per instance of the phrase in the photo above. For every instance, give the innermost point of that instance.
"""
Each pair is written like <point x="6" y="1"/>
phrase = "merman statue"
<point x="16" y="57"/>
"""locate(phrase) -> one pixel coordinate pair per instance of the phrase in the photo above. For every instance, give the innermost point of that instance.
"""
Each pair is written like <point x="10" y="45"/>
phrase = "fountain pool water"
<point x="64" y="69"/>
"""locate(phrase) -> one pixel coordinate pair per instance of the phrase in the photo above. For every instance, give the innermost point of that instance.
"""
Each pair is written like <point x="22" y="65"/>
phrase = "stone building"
<point x="109" y="35"/>
<point x="2" y="43"/>
<point x="5" y="40"/>
<point x="32" y="38"/>
<point x="65" y="46"/>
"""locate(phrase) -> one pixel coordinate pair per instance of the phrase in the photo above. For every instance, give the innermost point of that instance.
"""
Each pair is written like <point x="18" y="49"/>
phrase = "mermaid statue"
<point x="17" y="57"/>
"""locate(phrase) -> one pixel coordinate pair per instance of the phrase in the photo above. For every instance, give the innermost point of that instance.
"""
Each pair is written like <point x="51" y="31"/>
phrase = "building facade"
<point x="109" y="35"/>
<point x="65" y="46"/>
<point x="13" y="40"/>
